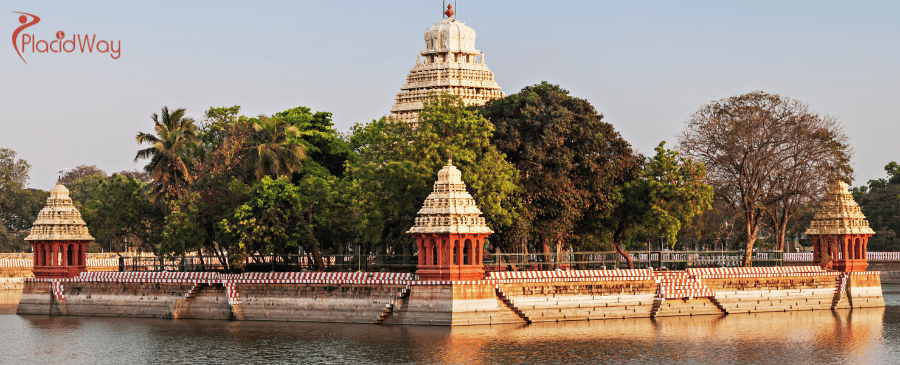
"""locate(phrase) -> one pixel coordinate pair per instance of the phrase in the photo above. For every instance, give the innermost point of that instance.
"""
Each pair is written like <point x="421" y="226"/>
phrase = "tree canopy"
<point x="573" y="164"/>
<point x="397" y="164"/>
<point x="765" y="155"/>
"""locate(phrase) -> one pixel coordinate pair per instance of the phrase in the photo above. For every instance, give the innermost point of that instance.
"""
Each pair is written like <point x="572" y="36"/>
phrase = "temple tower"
<point x="59" y="238"/>
<point x="450" y="231"/>
<point x="840" y="232"/>
<point x="449" y="64"/>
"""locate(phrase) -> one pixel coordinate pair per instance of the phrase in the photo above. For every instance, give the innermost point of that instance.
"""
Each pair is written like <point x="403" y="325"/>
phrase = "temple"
<point x="840" y="232"/>
<point x="59" y="238"/>
<point x="450" y="231"/>
<point x="449" y="64"/>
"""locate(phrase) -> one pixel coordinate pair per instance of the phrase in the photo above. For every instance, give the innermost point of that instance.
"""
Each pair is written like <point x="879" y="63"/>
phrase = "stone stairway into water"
<point x="205" y="301"/>
<point x="389" y="308"/>
<point x="509" y="303"/>
<point x="679" y="293"/>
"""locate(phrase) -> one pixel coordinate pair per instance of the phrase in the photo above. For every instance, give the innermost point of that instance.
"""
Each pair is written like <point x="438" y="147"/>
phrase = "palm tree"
<point x="169" y="152"/>
<point x="272" y="152"/>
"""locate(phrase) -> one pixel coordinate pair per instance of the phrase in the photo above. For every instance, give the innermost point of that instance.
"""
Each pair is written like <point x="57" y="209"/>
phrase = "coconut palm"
<point x="273" y="153"/>
<point x="169" y="152"/>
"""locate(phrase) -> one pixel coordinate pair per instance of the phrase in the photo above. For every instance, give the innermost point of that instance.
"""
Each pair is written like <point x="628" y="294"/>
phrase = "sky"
<point x="645" y="65"/>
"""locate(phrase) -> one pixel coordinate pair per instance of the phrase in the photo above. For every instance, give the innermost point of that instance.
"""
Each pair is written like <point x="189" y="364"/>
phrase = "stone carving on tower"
<point x="840" y="232"/>
<point x="59" y="237"/>
<point x="449" y="64"/>
<point x="450" y="231"/>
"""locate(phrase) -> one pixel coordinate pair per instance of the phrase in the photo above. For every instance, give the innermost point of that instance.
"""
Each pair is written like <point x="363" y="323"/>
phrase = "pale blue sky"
<point x="646" y="65"/>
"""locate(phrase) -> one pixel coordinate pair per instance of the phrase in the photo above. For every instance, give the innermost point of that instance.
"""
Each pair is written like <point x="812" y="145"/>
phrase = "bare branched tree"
<point x="766" y="156"/>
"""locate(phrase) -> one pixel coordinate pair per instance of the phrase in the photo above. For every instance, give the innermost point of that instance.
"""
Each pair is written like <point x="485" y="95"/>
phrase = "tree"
<point x="271" y="221"/>
<point x="141" y="176"/>
<point x="398" y="163"/>
<point x="170" y="153"/>
<point x="13" y="176"/>
<point x="19" y="206"/>
<point x="766" y="155"/>
<point x="117" y="210"/>
<point x="573" y="164"/>
<point x="326" y="151"/>
<point x="81" y="171"/>
<point x="272" y="152"/>
<point x="665" y="196"/>
<point x="880" y="202"/>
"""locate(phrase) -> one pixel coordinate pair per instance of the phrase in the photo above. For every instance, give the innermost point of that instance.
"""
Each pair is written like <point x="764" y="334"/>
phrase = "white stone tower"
<point x="449" y="64"/>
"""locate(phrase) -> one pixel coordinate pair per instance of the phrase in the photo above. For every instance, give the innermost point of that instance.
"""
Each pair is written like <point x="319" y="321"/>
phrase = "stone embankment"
<point x="502" y="297"/>
<point x="10" y="291"/>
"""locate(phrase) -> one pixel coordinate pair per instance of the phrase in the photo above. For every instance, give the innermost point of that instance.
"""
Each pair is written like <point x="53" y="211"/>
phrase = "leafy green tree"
<point x="573" y="164"/>
<point x="880" y="202"/>
<point x="117" y="210"/>
<point x="272" y="152"/>
<point x="13" y="176"/>
<point x="666" y="195"/>
<point x="271" y="221"/>
<point x="398" y="163"/>
<point x="325" y="149"/>
<point x="19" y="206"/>
<point x="170" y="153"/>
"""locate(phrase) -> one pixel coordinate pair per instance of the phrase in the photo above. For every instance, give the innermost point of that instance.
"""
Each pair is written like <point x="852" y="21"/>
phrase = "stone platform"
<point x="502" y="297"/>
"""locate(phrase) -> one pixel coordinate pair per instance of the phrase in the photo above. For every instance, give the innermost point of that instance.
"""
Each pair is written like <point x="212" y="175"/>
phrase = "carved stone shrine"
<point x="449" y="64"/>
<point x="839" y="232"/>
<point x="59" y="238"/>
<point x="450" y="231"/>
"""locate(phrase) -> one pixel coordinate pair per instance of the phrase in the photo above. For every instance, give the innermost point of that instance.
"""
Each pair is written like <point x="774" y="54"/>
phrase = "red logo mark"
<point x="25" y="24"/>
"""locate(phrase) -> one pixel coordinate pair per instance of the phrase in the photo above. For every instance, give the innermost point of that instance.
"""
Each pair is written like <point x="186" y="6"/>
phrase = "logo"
<point x="88" y="42"/>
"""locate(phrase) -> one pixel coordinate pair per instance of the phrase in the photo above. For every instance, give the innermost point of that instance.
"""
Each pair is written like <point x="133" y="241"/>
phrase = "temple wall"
<point x="773" y="294"/>
<point x="540" y="297"/>
<point x="582" y="300"/>
<point x="315" y="302"/>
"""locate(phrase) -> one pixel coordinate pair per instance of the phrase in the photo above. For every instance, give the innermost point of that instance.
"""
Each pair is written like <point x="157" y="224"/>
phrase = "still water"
<point x="870" y="336"/>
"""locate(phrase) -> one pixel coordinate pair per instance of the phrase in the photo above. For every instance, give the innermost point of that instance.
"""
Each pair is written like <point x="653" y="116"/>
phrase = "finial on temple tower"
<point x="449" y="12"/>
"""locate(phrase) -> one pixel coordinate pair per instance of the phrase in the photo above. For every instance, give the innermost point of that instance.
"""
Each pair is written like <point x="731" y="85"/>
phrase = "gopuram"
<point x="59" y="238"/>
<point x="450" y="231"/>
<point x="449" y="64"/>
<point x="840" y="232"/>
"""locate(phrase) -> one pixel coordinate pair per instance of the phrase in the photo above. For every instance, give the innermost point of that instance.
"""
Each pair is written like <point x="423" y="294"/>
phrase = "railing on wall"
<point x="675" y="260"/>
<point x="870" y="256"/>
<point x="407" y="263"/>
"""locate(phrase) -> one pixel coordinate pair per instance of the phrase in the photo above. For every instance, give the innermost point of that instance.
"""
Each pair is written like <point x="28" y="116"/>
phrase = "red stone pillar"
<point x="460" y="252"/>
<point x="421" y="252"/>
<point x="479" y="249"/>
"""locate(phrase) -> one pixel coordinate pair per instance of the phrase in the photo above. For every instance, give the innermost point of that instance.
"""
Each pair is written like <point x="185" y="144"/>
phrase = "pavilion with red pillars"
<point x="450" y="231"/>
<point x="59" y="238"/>
<point x="840" y="232"/>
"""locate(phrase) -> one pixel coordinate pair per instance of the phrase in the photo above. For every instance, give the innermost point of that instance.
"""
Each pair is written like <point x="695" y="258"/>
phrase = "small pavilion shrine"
<point x="840" y="232"/>
<point x="59" y="238"/>
<point x="450" y="231"/>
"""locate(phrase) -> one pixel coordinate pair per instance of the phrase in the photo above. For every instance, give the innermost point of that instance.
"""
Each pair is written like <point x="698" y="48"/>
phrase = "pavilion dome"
<point x="59" y="220"/>
<point x="450" y="35"/>
<point x="839" y="214"/>
<point x="449" y="208"/>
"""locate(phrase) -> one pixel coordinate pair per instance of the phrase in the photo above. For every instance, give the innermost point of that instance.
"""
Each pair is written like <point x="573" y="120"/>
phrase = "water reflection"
<point x="858" y="336"/>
